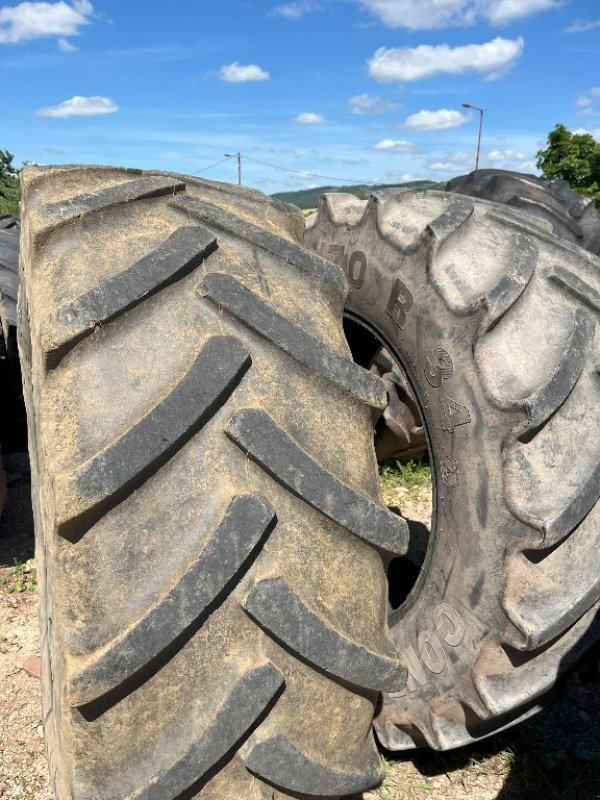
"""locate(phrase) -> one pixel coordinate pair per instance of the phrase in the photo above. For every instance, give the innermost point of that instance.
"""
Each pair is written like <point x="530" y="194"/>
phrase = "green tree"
<point x="6" y="166"/>
<point x="9" y="184"/>
<point x="575" y="157"/>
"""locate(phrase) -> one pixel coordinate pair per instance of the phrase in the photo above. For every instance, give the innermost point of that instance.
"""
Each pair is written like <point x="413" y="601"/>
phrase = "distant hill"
<point x="308" y="198"/>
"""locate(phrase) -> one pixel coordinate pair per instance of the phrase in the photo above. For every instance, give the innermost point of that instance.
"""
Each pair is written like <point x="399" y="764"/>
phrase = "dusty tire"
<point x="9" y="273"/>
<point x="495" y="323"/>
<point x="399" y="432"/>
<point x="209" y="531"/>
<point x="568" y="214"/>
<point x="12" y="413"/>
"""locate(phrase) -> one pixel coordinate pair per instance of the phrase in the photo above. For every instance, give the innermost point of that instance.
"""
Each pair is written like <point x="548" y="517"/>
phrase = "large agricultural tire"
<point x="208" y="519"/>
<point x="12" y="411"/>
<point x="8" y="221"/>
<point x="570" y="215"/>
<point x="399" y="432"/>
<point x="9" y="273"/>
<point x="495" y="323"/>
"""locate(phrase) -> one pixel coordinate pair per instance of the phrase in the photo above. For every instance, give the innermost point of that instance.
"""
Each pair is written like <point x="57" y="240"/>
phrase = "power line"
<point x="210" y="166"/>
<point x="307" y="174"/>
<point x="302" y="173"/>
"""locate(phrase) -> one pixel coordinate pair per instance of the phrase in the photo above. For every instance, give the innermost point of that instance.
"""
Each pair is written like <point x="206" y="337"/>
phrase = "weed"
<point x="19" y="578"/>
<point x="408" y="481"/>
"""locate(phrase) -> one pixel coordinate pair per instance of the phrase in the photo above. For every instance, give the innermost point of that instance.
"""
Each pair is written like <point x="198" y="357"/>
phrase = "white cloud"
<point x="295" y="10"/>
<point x="403" y="177"/>
<point x="369" y="104"/>
<point x="595" y="132"/>
<point x="305" y="176"/>
<point x="492" y="59"/>
<point x="441" y="120"/>
<point x="500" y="12"/>
<point x="80" y="107"/>
<point x="240" y="73"/>
<point x="462" y="161"/>
<point x="33" y="20"/>
<point x="393" y="144"/>
<point x="583" y="25"/>
<point x="457" y="162"/>
<point x="308" y="118"/>
<point x="511" y="159"/>
<point x="428" y="14"/>
<point x="588" y="102"/>
<point x="65" y="46"/>
<point x="506" y="155"/>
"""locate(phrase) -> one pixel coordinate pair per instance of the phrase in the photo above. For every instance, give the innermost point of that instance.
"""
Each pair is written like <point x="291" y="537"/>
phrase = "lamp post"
<point x="481" y="110"/>
<point x="239" y="163"/>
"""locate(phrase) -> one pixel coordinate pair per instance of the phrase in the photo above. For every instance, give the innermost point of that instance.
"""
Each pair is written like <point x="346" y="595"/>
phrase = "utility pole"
<point x="237" y="155"/>
<point x="481" y="110"/>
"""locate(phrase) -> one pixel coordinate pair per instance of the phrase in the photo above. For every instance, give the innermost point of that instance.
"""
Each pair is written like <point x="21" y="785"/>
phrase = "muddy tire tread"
<point x="558" y="542"/>
<point x="103" y="680"/>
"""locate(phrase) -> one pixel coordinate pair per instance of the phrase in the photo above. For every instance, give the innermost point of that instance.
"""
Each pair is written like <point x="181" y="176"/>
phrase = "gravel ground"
<point x="23" y="768"/>
<point x="555" y="756"/>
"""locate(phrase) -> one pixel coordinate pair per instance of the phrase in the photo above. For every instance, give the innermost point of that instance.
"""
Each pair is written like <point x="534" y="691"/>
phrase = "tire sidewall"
<point x="457" y="600"/>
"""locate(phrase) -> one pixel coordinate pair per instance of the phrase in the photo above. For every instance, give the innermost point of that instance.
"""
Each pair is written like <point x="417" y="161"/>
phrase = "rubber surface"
<point x="567" y="213"/>
<point x="496" y="323"/>
<point x="9" y="271"/>
<point x="399" y="433"/>
<point x="214" y="614"/>
<point x="13" y="435"/>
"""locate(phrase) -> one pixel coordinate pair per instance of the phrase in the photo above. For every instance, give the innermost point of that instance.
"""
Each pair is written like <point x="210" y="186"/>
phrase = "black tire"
<point x="568" y="214"/>
<point x="8" y="221"/>
<point x="12" y="416"/>
<point x="9" y="273"/>
<point x="399" y="432"/>
<point x="494" y="322"/>
<point x="209" y="542"/>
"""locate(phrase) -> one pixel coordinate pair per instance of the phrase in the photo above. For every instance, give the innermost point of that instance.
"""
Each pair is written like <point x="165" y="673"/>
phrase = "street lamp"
<point x="481" y="110"/>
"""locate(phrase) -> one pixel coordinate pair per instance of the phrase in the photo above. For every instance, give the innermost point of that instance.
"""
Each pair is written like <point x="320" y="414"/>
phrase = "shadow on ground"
<point x="552" y="756"/>
<point x="16" y="521"/>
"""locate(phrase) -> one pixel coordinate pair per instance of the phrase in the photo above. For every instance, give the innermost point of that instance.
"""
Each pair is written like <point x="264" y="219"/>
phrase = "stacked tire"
<point x="495" y="323"/>
<point x="12" y="417"/>
<point x="213" y="550"/>
<point x="211" y="541"/>
<point x="9" y="271"/>
<point x="568" y="214"/>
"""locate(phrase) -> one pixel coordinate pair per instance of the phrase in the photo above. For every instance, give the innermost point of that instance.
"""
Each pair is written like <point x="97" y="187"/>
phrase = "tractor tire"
<point x="9" y="273"/>
<point x="495" y="323"/>
<point x="208" y="520"/>
<point x="8" y="221"/>
<point x="13" y="425"/>
<point x="568" y="214"/>
<point x="399" y="432"/>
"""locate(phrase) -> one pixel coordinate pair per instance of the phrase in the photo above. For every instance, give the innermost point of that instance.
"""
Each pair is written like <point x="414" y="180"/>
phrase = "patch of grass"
<point x="19" y="578"/>
<point x="404" y="481"/>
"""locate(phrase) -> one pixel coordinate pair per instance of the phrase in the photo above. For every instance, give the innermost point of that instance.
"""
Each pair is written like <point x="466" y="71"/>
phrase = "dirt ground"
<point x="555" y="756"/>
<point x="23" y="768"/>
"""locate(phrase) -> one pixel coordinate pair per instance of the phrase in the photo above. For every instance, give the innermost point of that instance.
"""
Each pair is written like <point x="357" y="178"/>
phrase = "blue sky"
<point x="351" y="89"/>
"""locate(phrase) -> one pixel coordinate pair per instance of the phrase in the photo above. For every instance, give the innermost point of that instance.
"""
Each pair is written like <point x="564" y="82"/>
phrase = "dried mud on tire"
<point x="210" y="538"/>
<point x="495" y="322"/>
